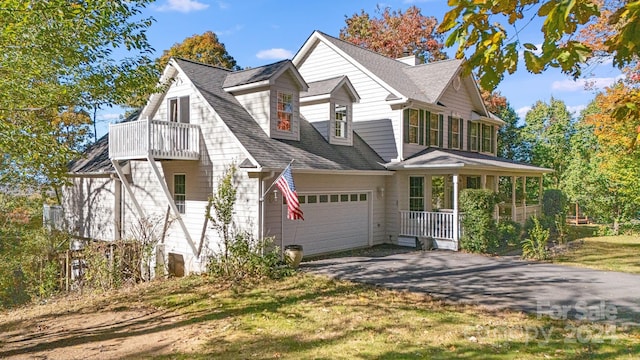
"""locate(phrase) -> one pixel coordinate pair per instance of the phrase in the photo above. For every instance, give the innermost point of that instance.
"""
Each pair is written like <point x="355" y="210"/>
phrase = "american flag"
<point x="288" y="188"/>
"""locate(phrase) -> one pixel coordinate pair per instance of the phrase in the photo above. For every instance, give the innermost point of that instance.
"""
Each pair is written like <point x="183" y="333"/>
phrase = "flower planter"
<point x="293" y="255"/>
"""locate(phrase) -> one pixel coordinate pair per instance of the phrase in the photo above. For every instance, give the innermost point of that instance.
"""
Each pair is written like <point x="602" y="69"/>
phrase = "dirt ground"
<point x="93" y="328"/>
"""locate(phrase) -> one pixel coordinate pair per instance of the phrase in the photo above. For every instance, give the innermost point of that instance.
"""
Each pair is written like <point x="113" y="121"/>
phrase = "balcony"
<point x="162" y="140"/>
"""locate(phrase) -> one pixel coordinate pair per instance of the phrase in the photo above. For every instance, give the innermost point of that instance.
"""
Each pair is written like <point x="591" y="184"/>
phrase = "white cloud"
<point x="582" y="84"/>
<point x="109" y="117"/>
<point x="183" y="6"/>
<point x="274" y="54"/>
<point x="228" y="32"/>
<point x="576" y="110"/>
<point x="522" y="112"/>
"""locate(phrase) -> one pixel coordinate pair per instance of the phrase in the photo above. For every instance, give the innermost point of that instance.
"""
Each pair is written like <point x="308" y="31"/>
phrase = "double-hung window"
<point x="341" y="121"/>
<point x="416" y="193"/>
<point x="285" y="111"/>
<point x="414" y="126"/>
<point x="180" y="192"/>
<point x="434" y="129"/>
<point x="474" y="137"/>
<point x="487" y="138"/>
<point x="455" y="133"/>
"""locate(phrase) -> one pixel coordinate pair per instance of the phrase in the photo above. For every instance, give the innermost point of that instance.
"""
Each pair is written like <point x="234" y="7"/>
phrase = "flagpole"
<point x="275" y="181"/>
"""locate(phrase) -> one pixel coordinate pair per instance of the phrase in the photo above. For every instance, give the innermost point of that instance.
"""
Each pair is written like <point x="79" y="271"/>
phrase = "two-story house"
<point x="381" y="149"/>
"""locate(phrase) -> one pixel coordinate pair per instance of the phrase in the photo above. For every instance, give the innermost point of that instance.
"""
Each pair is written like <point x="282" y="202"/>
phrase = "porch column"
<point x="513" y="198"/>
<point x="456" y="225"/>
<point x="483" y="181"/>
<point x="540" y="190"/>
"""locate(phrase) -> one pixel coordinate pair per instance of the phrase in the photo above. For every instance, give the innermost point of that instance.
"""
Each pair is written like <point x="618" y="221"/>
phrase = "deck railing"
<point x="437" y="225"/>
<point x="161" y="139"/>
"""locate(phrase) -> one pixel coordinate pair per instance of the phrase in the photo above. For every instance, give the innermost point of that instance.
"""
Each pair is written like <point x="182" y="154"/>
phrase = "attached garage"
<point x="332" y="222"/>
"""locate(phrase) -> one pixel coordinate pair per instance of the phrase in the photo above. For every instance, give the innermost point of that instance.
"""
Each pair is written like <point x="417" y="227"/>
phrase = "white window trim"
<point x="341" y="124"/>
<point x="181" y="205"/>
<point x="409" y="197"/>
<point x="284" y="110"/>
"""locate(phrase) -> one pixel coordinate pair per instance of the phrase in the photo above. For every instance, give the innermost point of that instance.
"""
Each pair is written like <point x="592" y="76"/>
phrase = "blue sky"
<point x="263" y="31"/>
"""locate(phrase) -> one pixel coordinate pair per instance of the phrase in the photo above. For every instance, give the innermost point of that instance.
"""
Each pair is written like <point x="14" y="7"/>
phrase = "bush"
<point x="554" y="205"/>
<point x="248" y="258"/>
<point x="535" y="245"/>
<point x="509" y="233"/>
<point x="479" y="228"/>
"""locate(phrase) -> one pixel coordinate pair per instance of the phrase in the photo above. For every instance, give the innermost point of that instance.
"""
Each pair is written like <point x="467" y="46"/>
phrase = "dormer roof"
<point x="323" y="89"/>
<point x="262" y="76"/>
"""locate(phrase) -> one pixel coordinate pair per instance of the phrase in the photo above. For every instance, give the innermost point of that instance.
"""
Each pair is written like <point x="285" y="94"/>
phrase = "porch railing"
<point x="161" y="139"/>
<point x="437" y="225"/>
<point x="521" y="213"/>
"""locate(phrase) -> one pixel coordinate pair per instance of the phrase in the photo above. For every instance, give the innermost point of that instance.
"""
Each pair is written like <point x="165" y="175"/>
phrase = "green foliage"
<point x="479" y="233"/>
<point x="546" y="136"/>
<point x="110" y="265"/>
<point x="509" y="233"/>
<point x="242" y="257"/>
<point x="30" y="266"/>
<point x="554" y="202"/>
<point x="248" y="259"/>
<point x="535" y="245"/>
<point x="59" y="56"/>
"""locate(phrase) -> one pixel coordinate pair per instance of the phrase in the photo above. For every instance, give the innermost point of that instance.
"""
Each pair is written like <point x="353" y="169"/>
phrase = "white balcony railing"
<point x="521" y="213"/>
<point x="437" y="225"/>
<point x="160" y="139"/>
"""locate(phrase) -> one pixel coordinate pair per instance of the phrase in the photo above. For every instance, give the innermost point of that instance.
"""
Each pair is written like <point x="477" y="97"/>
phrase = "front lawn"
<point x="612" y="253"/>
<point x="302" y="317"/>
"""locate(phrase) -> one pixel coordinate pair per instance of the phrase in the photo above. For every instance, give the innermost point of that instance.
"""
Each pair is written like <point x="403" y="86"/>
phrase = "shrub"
<point x="535" y="245"/>
<point x="509" y="232"/>
<point x="554" y="204"/>
<point x="479" y="231"/>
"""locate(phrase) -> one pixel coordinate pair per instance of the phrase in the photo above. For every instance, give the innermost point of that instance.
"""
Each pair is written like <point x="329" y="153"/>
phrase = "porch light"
<point x="380" y="191"/>
<point x="274" y="196"/>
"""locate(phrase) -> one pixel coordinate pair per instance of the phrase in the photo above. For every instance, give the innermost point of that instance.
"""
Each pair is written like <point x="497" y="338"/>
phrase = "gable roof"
<point x="95" y="158"/>
<point x="425" y="83"/>
<point x="433" y="158"/>
<point x="263" y="75"/>
<point x="318" y="89"/>
<point x="312" y="152"/>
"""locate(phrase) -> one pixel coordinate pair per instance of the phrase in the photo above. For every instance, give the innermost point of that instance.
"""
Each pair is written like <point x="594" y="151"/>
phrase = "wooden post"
<point x="513" y="198"/>
<point x="456" y="229"/>
<point x="524" y="198"/>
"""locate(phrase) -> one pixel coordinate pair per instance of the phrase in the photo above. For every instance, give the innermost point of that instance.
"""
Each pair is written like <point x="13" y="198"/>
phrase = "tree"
<point x="394" y="33"/>
<point x="59" y="57"/>
<point x="205" y="48"/>
<point x="478" y="27"/>
<point x="546" y="134"/>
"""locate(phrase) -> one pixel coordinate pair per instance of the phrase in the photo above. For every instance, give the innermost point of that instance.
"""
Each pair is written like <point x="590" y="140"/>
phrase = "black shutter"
<point x="405" y="119"/>
<point x="427" y="116"/>
<point x="421" y="128"/>
<point x="461" y="134"/>
<point x="449" y="133"/>
<point x="441" y="128"/>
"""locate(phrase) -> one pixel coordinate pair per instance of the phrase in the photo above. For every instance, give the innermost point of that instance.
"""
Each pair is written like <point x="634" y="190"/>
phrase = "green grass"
<point x="312" y="317"/>
<point x="612" y="253"/>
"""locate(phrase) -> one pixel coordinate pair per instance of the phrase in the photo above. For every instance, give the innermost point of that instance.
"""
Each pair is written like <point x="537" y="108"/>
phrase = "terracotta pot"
<point x="293" y="255"/>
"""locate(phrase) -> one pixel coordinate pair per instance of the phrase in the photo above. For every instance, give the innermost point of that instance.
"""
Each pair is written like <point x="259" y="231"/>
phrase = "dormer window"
<point x="341" y="119"/>
<point x="285" y="111"/>
<point x="178" y="109"/>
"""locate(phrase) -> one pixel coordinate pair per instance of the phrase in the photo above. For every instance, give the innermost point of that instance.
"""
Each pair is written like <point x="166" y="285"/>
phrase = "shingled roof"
<point x="424" y="82"/>
<point x="95" y="159"/>
<point x="433" y="158"/>
<point x="311" y="152"/>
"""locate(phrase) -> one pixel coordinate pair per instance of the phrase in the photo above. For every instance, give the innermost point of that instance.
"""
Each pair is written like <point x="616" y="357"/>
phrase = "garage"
<point x="332" y="222"/>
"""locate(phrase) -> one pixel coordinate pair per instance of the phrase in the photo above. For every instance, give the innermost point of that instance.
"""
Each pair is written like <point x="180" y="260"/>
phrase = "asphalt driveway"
<point x="496" y="282"/>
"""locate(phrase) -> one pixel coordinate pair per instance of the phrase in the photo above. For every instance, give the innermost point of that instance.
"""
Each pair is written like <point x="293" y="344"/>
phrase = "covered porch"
<point x="429" y="186"/>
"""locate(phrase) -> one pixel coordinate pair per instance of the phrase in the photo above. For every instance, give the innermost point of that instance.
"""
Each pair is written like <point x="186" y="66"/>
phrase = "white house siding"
<point x="218" y="151"/>
<point x="459" y="103"/>
<point x="327" y="184"/>
<point x="318" y="114"/>
<point x="324" y="63"/>
<point x="256" y="102"/>
<point x="88" y="204"/>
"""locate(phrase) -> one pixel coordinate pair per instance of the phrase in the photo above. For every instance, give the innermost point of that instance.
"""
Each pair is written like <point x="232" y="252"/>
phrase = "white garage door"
<point x="332" y="222"/>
